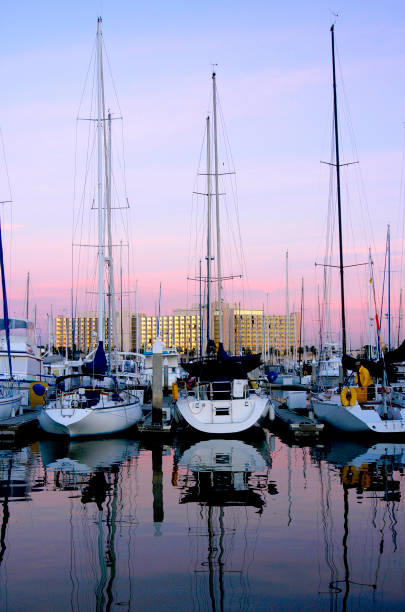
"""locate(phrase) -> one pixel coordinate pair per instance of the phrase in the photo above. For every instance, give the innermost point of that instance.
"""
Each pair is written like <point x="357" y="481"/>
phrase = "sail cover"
<point x="99" y="363"/>
<point x="222" y="365"/>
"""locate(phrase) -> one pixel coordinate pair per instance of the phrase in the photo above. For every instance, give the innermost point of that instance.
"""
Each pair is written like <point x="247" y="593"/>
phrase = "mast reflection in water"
<point x="372" y="473"/>
<point x="209" y="525"/>
<point x="221" y="477"/>
<point x="93" y="469"/>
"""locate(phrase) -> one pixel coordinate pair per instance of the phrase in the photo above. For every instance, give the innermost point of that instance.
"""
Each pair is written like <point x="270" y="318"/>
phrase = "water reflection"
<point x="93" y="467"/>
<point x="367" y="468"/>
<point x="219" y="477"/>
<point x="263" y="525"/>
<point x="368" y="474"/>
<point x="17" y="480"/>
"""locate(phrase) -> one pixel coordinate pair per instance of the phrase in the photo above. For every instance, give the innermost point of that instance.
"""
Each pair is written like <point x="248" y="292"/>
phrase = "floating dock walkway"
<point x="20" y="425"/>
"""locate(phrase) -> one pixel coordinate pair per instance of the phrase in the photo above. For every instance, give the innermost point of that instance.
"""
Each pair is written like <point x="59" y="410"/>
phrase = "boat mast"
<point x="214" y="98"/>
<point x="5" y="307"/>
<point x="27" y="296"/>
<point x="136" y="318"/>
<point x="389" y="285"/>
<point x="337" y="165"/>
<point x="370" y="307"/>
<point x="200" y="314"/>
<point x="301" y="344"/>
<point x="112" y="327"/>
<point x="287" y="316"/>
<point x="121" y="323"/>
<point x="209" y="257"/>
<point x="100" y="116"/>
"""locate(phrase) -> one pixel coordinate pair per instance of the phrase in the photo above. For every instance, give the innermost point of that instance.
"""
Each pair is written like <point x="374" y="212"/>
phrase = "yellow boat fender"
<point x="175" y="392"/>
<point x="348" y="396"/>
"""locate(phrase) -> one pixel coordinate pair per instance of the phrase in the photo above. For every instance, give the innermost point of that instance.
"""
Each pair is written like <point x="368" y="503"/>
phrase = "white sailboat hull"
<point x="9" y="405"/>
<point x="223" y="416"/>
<point x="357" y="418"/>
<point x="99" y="420"/>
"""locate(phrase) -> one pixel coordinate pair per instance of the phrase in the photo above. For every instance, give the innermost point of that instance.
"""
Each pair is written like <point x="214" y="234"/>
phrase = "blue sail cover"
<point x="99" y="363"/>
<point x="14" y="324"/>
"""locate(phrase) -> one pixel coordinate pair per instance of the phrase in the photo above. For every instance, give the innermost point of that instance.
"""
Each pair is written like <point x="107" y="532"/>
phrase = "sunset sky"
<point x="274" y="81"/>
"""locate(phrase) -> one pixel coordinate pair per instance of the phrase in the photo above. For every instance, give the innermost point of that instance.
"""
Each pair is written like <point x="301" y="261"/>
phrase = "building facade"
<point x="244" y="331"/>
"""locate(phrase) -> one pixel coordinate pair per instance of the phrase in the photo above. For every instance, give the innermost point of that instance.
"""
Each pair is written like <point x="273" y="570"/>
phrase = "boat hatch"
<point x="222" y="410"/>
<point x="222" y="459"/>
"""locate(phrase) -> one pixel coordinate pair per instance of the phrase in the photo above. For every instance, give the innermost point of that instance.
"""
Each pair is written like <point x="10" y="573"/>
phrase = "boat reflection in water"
<point x="17" y="480"/>
<point x="371" y="475"/>
<point x="226" y="482"/>
<point x="93" y="467"/>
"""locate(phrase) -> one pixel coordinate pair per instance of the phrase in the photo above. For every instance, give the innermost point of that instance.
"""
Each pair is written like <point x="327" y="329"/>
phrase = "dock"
<point x="146" y="426"/>
<point x="20" y="425"/>
<point x="299" y="425"/>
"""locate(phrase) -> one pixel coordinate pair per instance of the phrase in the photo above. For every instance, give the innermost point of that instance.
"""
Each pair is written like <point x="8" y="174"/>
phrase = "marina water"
<point x="194" y="525"/>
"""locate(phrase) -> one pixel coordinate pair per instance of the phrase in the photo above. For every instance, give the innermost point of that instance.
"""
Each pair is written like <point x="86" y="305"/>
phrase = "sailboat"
<point x="221" y="401"/>
<point x="10" y="397"/>
<point x="341" y="407"/>
<point x="94" y="402"/>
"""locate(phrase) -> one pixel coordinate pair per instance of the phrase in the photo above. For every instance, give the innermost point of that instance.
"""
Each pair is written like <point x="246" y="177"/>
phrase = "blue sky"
<point x="274" y="80"/>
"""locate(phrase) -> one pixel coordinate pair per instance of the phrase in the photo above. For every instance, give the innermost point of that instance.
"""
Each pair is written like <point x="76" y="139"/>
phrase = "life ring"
<point x="348" y="396"/>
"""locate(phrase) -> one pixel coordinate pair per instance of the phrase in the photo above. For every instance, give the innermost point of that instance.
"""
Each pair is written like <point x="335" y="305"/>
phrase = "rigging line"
<point x="111" y="77"/>
<point x="361" y="192"/>
<point x="92" y="54"/>
<point x="81" y="205"/>
<point x="401" y="208"/>
<point x="5" y="165"/>
<point x="383" y="285"/>
<point x="233" y="185"/>
<point x="195" y="199"/>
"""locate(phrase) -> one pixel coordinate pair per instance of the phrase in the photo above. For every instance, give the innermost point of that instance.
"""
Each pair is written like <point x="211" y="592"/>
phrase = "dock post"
<point x="157" y="397"/>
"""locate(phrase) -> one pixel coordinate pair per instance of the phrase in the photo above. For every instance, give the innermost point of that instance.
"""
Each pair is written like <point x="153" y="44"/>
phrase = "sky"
<point x="273" y="65"/>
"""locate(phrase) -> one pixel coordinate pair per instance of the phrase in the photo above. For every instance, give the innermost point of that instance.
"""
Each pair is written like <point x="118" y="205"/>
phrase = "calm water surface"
<point x="202" y="525"/>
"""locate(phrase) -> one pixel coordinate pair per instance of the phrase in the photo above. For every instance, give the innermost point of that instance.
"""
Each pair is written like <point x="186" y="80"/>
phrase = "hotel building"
<point x="244" y="330"/>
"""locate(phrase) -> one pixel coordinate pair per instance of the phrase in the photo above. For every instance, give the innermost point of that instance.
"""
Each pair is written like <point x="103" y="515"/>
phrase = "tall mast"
<point x="214" y="98"/>
<point x="209" y="257"/>
<point x="342" y="288"/>
<point x="301" y="344"/>
<point x="389" y="285"/>
<point x="27" y="296"/>
<point x="100" y="116"/>
<point x="112" y="331"/>
<point x="200" y="321"/>
<point x="5" y="307"/>
<point x="371" y="340"/>
<point x="121" y="322"/>
<point x="287" y="309"/>
<point x="136" y="318"/>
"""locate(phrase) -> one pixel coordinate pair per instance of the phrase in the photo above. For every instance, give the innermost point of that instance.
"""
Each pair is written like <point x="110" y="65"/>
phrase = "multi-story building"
<point x="82" y="331"/>
<point x="244" y="330"/>
<point x="181" y="330"/>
